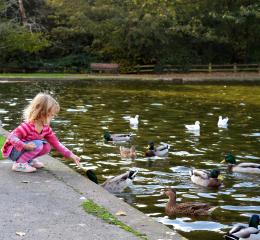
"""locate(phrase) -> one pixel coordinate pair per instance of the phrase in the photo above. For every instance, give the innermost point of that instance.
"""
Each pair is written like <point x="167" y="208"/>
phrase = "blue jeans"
<point x="14" y="155"/>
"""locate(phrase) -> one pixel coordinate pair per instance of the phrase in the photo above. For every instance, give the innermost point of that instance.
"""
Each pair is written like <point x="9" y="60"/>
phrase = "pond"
<point x="89" y="108"/>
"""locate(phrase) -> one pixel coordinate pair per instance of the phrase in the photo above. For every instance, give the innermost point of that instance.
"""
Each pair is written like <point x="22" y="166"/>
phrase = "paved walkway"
<point x="47" y="205"/>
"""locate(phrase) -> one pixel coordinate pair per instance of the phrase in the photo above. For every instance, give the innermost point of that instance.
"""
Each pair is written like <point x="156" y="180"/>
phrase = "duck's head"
<point x="220" y="117"/>
<point x="197" y="123"/>
<point x="229" y="158"/>
<point x="254" y="221"/>
<point x="107" y="136"/>
<point x="92" y="176"/>
<point x="214" y="173"/>
<point x="170" y="192"/>
<point x="150" y="145"/>
<point x="136" y="116"/>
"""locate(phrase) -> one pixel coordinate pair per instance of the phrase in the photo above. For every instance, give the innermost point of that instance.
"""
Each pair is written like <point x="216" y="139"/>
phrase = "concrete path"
<point x="47" y="205"/>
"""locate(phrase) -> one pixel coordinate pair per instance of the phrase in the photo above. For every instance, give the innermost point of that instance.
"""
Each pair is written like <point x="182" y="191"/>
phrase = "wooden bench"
<point x="104" y="67"/>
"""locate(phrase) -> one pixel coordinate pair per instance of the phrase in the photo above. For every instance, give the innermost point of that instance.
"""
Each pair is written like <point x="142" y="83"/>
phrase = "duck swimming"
<point x="159" y="151"/>
<point x="115" y="184"/>
<point x="222" y="123"/>
<point x="187" y="208"/>
<point x="205" y="178"/>
<point x="240" y="232"/>
<point x="194" y="127"/>
<point x="117" y="137"/>
<point x="253" y="168"/>
<point x="128" y="152"/>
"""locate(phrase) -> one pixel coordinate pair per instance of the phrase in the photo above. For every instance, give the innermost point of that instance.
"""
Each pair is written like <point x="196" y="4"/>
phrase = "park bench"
<point x="104" y="67"/>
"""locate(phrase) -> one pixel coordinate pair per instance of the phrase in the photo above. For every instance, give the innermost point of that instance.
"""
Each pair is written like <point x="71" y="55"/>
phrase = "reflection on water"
<point x="87" y="109"/>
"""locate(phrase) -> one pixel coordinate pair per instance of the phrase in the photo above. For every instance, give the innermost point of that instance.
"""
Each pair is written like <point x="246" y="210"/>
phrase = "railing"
<point x="209" y="68"/>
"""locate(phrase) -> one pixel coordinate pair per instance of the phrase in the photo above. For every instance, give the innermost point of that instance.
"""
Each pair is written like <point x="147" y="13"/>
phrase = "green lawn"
<point x="2" y="139"/>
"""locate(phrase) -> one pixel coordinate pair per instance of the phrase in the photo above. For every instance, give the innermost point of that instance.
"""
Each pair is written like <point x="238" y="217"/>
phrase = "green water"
<point x="88" y="109"/>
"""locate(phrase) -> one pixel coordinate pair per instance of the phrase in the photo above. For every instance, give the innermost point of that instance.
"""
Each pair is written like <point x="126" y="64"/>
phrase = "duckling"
<point x="115" y="184"/>
<point x="194" y="127"/>
<point x="240" y="232"/>
<point x="134" y="121"/>
<point x="117" y="137"/>
<point x="205" y="178"/>
<point x="187" y="208"/>
<point x="222" y="123"/>
<point x="253" y="168"/>
<point x="128" y="152"/>
<point x="159" y="151"/>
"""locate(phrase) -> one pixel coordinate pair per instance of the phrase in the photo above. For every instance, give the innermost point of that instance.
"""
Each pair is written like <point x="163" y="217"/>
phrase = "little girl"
<point x="34" y="137"/>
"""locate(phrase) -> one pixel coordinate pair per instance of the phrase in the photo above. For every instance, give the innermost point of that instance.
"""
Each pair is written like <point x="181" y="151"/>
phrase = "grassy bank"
<point x="100" y="212"/>
<point x="2" y="139"/>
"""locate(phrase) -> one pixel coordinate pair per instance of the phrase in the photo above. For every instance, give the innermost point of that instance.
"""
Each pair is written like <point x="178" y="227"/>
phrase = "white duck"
<point x="222" y="122"/>
<point x="134" y="121"/>
<point x="194" y="127"/>
<point x="239" y="232"/>
<point x="115" y="184"/>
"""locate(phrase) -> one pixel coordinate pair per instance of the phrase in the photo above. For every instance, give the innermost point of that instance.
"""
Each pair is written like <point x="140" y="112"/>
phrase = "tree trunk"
<point x="22" y="13"/>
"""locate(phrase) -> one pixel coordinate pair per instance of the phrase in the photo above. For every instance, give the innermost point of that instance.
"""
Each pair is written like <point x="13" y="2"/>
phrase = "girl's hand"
<point x="76" y="159"/>
<point x="29" y="146"/>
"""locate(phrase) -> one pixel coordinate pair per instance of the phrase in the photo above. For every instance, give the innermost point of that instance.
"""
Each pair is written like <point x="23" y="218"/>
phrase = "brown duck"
<point x="187" y="208"/>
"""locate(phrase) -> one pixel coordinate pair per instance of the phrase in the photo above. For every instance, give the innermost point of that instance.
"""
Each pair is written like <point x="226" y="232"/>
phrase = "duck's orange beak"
<point x="223" y="161"/>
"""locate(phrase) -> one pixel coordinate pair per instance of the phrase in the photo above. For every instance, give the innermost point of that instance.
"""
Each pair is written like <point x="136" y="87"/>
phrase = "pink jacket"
<point x="25" y="132"/>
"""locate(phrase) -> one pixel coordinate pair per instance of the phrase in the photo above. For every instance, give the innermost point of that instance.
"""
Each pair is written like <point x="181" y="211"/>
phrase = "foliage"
<point x="74" y="33"/>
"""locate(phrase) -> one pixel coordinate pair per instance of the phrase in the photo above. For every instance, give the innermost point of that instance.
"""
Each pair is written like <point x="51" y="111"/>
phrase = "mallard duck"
<point x="222" y="123"/>
<point x="242" y="232"/>
<point x="117" y="137"/>
<point x="241" y="167"/>
<point x="205" y="178"/>
<point x="134" y="121"/>
<point x="187" y="208"/>
<point x="159" y="151"/>
<point x="128" y="152"/>
<point x="194" y="127"/>
<point x="115" y="184"/>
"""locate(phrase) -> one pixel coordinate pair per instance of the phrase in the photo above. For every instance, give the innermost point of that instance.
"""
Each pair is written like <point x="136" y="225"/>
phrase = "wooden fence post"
<point x="235" y="67"/>
<point x="210" y="67"/>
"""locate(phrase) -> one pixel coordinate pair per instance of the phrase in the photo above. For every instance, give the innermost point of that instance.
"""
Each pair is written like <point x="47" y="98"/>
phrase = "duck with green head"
<point x="117" y="183"/>
<point x="239" y="231"/>
<point x="253" y="168"/>
<point x="206" y="178"/>
<point x="117" y="137"/>
<point x="160" y="151"/>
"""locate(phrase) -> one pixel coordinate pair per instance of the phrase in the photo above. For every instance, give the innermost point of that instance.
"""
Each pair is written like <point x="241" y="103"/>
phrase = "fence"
<point x="209" y="68"/>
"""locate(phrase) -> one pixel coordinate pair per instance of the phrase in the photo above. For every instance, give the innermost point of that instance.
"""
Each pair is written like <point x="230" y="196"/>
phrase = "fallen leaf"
<point x="20" y="234"/>
<point x="25" y="181"/>
<point x="120" y="213"/>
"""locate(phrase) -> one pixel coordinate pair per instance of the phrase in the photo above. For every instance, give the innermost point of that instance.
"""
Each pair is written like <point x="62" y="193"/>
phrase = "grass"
<point x="100" y="212"/>
<point x="2" y="140"/>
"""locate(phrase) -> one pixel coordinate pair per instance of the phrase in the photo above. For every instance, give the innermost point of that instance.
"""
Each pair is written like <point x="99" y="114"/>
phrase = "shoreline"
<point x="175" y="78"/>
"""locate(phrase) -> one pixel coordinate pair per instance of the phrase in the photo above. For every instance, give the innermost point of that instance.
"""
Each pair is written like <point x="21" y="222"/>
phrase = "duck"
<point x="159" y="151"/>
<point x="128" y="152"/>
<point x="253" y="168"/>
<point x="187" y="208"/>
<point x="115" y="184"/>
<point x="205" y="178"/>
<point x="117" y="137"/>
<point x="239" y="231"/>
<point x="134" y="121"/>
<point x="194" y="127"/>
<point x="222" y="123"/>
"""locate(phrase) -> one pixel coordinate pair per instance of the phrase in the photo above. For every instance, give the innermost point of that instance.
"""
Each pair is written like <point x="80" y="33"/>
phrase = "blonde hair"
<point x="40" y="107"/>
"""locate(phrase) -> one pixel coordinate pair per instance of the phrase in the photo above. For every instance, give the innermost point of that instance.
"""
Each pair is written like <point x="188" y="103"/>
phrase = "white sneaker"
<point x="23" y="167"/>
<point x="37" y="164"/>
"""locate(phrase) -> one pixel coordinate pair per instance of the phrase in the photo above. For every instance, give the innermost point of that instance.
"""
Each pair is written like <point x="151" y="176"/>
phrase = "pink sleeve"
<point x="17" y="134"/>
<point x="54" y="141"/>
